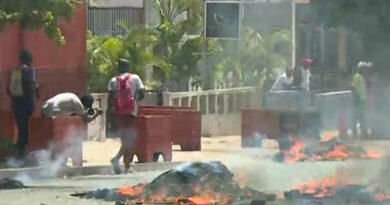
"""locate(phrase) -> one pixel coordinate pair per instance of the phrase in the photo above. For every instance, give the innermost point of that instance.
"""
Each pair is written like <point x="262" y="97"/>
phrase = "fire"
<point x="372" y="154"/>
<point x="131" y="190"/>
<point x="204" y="199"/>
<point x="318" y="188"/>
<point x="327" y="187"/>
<point x="295" y="153"/>
<point x="339" y="152"/>
<point x="327" y="136"/>
<point x="325" y="150"/>
<point x="134" y="194"/>
<point x="382" y="197"/>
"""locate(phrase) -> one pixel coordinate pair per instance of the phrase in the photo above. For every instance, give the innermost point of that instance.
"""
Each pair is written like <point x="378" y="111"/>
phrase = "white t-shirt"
<point x="63" y="104"/>
<point x="306" y="74"/>
<point x="135" y="85"/>
<point x="282" y="82"/>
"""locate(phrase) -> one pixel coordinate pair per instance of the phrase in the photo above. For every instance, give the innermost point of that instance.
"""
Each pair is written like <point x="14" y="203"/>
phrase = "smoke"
<point x="53" y="159"/>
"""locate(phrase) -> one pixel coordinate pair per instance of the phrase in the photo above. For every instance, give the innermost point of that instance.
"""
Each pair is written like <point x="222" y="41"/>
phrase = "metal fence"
<point x="105" y="21"/>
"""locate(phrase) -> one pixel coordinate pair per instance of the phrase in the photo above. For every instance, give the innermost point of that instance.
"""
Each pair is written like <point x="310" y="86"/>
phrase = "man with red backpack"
<point x="125" y="90"/>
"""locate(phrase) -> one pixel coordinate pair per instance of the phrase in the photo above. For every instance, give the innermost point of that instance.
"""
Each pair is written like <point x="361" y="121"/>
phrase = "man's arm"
<point x="86" y="118"/>
<point x="140" y="94"/>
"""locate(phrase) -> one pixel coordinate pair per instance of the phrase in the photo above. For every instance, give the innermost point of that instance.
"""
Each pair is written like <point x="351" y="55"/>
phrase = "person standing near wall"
<point x="22" y="91"/>
<point x="125" y="90"/>
<point x="359" y="100"/>
<point x="306" y="73"/>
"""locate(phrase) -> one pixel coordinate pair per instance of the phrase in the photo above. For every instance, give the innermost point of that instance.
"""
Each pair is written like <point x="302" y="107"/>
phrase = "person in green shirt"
<point x="359" y="100"/>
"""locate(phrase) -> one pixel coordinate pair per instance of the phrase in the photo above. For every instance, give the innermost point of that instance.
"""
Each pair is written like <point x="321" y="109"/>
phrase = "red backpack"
<point x="124" y="100"/>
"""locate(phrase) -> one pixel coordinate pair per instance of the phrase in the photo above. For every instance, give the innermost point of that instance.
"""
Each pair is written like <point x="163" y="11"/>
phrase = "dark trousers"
<point x="23" y="109"/>
<point x="359" y="116"/>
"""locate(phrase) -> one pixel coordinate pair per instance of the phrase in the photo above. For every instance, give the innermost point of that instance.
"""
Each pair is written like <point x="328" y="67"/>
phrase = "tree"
<point x="136" y="46"/>
<point x="177" y="19"/>
<point x="40" y="14"/>
<point x="248" y="57"/>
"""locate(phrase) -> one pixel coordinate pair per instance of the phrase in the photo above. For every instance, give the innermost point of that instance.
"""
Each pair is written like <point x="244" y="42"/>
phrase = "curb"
<point x="44" y="172"/>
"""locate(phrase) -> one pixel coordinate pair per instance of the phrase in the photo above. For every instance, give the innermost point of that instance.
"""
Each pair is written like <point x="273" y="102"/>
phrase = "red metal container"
<point x="63" y="136"/>
<point x="186" y="123"/>
<point x="153" y="138"/>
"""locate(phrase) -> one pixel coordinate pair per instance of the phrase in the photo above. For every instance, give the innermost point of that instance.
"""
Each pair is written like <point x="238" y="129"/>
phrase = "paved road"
<point x="253" y="167"/>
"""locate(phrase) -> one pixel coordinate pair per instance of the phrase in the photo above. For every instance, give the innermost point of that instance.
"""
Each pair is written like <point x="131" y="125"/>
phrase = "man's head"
<point x="87" y="101"/>
<point x="25" y="57"/>
<point x="289" y="72"/>
<point x="123" y="65"/>
<point x="306" y="62"/>
<point x="362" y="66"/>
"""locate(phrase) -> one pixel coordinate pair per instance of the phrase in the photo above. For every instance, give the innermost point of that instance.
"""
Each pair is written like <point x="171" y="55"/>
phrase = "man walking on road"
<point x="125" y="90"/>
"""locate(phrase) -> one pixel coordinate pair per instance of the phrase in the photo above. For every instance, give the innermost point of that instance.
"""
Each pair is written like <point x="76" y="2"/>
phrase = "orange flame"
<point x="372" y="154"/>
<point x="207" y="196"/>
<point x="318" y="188"/>
<point x="131" y="190"/>
<point x="382" y="197"/>
<point x="327" y="136"/>
<point x="295" y="153"/>
<point x="339" y="151"/>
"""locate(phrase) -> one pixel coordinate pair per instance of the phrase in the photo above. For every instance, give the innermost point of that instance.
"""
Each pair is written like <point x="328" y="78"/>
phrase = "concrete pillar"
<point x="226" y="103"/>
<point x="207" y="105"/>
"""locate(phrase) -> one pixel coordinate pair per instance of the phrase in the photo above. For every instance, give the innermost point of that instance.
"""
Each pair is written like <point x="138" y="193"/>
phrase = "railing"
<point x="225" y="101"/>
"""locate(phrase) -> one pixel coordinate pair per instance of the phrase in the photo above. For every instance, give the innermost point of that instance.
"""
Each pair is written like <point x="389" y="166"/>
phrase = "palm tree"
<point x="136" y="47"/>
<point x="178" y="18"/>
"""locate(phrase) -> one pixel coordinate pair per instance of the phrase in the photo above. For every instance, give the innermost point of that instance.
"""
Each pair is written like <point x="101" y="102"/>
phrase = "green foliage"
<point x="248" y="57"/>
<point x="37" y="14"/>
<point x="178" y="18"/>
<point x="103" y="54"/>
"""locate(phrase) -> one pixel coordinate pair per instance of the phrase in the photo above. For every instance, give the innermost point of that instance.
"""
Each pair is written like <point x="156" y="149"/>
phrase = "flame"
<point x="295" y="153"/>
<point x="131" y="190"/>
<point x="325" y="151"/>
<point x="204" y="199"/>
<point x="382" y="197"/>
<point x="372" y="154"/>
<point x="327" y="136"/>
<point x="318" y="188"/>
<point x="324" y="187"/>
<point x="207" y="196"/>
<point x="339" y="152"/>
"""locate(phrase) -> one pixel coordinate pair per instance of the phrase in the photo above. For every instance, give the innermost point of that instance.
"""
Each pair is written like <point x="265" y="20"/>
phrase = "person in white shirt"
<point x="69" y="104"/>
<point x="306" y="74"/>
<point x="284" y="81"/>
<point x="125" y="121"/>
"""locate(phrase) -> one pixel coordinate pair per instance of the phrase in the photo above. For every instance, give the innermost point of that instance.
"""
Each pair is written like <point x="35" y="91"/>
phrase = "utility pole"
<point x="293" y="31"/>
